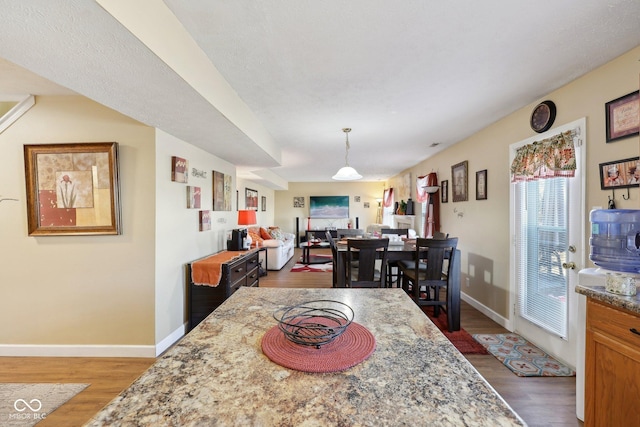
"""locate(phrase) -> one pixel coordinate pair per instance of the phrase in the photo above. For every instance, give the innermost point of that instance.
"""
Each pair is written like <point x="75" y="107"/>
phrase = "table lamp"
<point x="246" y="217"/>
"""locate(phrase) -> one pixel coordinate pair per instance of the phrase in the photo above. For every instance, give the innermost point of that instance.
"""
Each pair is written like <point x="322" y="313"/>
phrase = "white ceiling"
<point x="268" y="85"/>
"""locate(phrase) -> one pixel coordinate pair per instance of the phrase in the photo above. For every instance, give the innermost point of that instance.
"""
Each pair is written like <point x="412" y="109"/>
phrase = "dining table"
<point x="406" y="250"/>
<point x="220" y="373"/>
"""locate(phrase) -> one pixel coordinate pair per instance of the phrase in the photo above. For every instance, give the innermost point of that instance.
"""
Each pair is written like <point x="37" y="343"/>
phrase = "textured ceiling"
<point x="403" y="75"/>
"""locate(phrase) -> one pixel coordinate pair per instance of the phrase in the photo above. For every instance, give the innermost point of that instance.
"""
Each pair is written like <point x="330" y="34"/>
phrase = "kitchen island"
<point x="218" y="374"/>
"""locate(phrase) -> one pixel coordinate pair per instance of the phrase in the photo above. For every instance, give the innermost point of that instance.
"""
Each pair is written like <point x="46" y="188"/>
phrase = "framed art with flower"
<point x="72" y="189"/>
<point x="460" y="181"/>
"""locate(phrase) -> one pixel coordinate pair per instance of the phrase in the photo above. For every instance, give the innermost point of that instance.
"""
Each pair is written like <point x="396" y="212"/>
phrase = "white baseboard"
<point x="34" y="350"/>
<point x="174" y="336"/>
<point x="502" y="321"/>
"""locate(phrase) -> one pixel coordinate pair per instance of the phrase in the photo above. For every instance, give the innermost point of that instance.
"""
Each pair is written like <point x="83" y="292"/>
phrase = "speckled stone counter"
<point x="218" y="375"/>
<point x="599" y="293"/>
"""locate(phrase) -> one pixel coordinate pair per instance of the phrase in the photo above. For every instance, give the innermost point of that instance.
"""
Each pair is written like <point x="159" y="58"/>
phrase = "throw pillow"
<point x="276" y="233"/>
<point x="255" y="238"/>
<point x="265" y="234"/>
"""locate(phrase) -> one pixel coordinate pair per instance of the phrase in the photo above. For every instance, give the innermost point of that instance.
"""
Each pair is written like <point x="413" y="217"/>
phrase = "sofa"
<point x="279" y="245"/>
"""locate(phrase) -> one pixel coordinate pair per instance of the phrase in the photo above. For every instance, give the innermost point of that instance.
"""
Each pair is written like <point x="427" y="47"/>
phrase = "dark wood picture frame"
<point x="460" y="181"/>
<point x="620" y="174"/>
<point x="251" y="199"/>
<point x="72" y="189"/>
<point x="444" y="191"/>
<point x="264" y="203"/>
<point x="623" y="117"/>
<point x="481" y="185"/>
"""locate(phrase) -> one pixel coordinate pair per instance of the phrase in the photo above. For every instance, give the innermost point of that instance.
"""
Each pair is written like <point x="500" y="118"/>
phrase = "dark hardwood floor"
<point x="541" y="401"/>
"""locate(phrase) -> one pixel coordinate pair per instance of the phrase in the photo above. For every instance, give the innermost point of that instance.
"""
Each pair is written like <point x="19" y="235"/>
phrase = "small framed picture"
<point x="251" y="199"/>
<point x="623" y="116"/>
<point x="620" y="174"/>
<point x="298" y="202"/>
<point x="460" y="181"/>
<point x="264" y="203"/>
<point x="444" y="191"/>
<point x="481" y="185"/>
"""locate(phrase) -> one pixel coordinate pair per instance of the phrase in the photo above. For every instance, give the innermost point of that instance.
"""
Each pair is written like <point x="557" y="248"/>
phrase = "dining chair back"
<point x="440" y="235"/>
<point x="349" y="232"/>
<point x="393" y="270"/>
<point x="334" y="254"/>
<point x="424" y="278"/>
<point x="367" y="274"/>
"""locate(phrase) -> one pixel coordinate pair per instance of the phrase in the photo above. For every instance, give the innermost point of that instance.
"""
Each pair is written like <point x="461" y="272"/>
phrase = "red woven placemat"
<point x="355" y="345"/>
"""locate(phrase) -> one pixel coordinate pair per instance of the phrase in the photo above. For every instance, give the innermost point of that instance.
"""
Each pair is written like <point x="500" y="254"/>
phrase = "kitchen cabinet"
<point x="612" y="366"/>
<point x="202" y="299"/>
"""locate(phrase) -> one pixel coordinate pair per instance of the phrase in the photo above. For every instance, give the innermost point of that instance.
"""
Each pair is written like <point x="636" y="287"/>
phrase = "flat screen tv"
<point x="329" y="207"/>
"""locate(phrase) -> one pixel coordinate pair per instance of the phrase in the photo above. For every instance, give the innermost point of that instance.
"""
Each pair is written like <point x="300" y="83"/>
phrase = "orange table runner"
<point x="207" y="271"/>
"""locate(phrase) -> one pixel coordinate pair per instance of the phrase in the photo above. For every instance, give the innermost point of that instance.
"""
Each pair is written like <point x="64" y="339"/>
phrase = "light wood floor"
<point x="540" y="401"/>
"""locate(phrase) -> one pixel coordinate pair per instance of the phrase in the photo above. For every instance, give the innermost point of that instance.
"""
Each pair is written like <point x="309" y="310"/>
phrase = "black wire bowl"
<point x="314" y="323"/>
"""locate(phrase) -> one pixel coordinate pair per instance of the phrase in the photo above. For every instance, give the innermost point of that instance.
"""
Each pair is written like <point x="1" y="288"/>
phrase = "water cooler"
<point x="615" y="249"/>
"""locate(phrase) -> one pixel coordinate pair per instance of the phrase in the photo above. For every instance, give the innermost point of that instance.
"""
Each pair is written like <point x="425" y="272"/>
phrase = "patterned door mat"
<point x="523" y="358"/>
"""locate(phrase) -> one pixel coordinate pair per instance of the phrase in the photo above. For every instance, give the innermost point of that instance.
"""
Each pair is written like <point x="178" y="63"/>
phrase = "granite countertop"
<point x="218" y="375"/>
<point x="598" y="293"/>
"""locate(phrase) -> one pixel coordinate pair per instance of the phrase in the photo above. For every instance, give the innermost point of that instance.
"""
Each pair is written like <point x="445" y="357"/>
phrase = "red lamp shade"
<point x="246" y="217"/>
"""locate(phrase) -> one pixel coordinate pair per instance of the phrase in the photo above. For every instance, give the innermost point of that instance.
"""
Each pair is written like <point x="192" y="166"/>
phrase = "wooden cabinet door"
<point x="612" y="387"/>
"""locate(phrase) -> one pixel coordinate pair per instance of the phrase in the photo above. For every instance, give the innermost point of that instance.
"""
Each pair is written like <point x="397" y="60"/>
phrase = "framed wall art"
<point x="481" y="185"/>
<point x="298" y="202"/>
<point x="620" y="174"/>
<point x="193" y="197"/>
<point x="72" y="189"/>
<point x="264" y="203"/>
<point x="250" y="199"/>
<point x="204" y="219"/>
<point x="179" y="169"/>
<point x="623" y="116"/>
<point x="444" y="191"/>
<point x="218" y="191"/>
<point x="460" y="181"/>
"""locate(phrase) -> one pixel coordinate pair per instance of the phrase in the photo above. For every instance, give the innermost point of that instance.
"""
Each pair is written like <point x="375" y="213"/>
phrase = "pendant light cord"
<point x="346" y="154"/>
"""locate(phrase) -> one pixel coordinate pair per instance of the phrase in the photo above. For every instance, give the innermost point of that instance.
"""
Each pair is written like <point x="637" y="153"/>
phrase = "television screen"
<point x="329" y="206"/>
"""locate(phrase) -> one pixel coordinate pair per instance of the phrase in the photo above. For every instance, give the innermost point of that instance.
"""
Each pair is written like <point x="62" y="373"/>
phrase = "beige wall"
<point x="483" y="229"/>
<point x="285" y="213"/>
<point x="77" y="290"/>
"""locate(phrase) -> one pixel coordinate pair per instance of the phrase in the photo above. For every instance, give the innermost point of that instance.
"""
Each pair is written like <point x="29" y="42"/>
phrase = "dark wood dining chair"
<point x="393" y="270"/>
<point x="334" y="254"/>
<point x="367" y="274"/>
<point x="424" y="278"/>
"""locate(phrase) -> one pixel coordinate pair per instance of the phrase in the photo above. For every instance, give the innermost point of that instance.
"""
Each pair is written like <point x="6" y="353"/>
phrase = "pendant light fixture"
<point x="347" y="173"/>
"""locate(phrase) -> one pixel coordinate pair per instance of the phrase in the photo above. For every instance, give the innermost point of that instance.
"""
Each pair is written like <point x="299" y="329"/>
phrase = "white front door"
<point x="547" y="235"/>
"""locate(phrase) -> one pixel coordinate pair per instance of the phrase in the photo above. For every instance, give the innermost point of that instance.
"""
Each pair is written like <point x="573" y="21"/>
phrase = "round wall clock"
<point x="543" y="116"/>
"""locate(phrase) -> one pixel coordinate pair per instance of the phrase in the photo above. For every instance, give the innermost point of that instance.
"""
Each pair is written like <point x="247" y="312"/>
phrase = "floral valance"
<point x="549" y="158"/>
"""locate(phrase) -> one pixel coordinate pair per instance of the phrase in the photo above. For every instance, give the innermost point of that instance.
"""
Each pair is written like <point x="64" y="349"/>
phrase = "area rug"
<point x="327" y="267"/>
<point x="461" y="339"/>
<point x="24" y="404"/>
<point x="523" y="358"/>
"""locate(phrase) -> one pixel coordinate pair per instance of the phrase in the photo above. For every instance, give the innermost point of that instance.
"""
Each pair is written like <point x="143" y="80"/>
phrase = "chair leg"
<point x="436" y="297"/>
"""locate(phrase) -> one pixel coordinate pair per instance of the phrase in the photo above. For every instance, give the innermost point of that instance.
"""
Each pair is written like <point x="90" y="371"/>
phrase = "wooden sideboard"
<point x="612" y="363"/>
<point x="202" y="299"/>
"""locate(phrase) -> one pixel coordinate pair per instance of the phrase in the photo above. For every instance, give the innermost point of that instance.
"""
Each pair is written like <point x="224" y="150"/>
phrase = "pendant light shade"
<point x="347" y="173"/>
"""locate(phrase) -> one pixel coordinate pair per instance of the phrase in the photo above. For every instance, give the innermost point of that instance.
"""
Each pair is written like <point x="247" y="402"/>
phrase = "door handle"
<point x="567" y="265"/>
